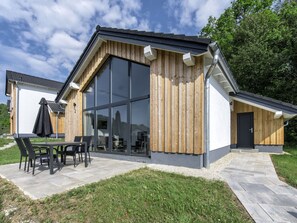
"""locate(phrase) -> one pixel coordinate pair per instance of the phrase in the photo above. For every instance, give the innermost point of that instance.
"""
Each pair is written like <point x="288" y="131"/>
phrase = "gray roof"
<point x="55" y="107"/>
<point x="13" y="76"/>
<point x="266" y="102"/>
<point x="166" y="41"/>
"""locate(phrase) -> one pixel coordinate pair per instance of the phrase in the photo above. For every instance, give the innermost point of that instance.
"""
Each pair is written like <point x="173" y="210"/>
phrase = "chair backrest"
<point x="21" y="146"/>
<point x="88" y="140"/>
<point x="29" y="147"/>
<point x="77" y="139"/>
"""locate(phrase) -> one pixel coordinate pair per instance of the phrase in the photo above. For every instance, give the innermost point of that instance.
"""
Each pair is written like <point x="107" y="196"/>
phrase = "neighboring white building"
<point x="25" y="92"/>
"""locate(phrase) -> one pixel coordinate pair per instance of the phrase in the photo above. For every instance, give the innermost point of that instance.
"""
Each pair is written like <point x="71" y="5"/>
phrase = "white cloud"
<point x="53" y="33"/>
<point x="195" y="12"/>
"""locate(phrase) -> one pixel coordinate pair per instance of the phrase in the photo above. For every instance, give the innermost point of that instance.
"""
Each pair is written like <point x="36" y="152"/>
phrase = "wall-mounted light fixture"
<point x="150" y="53"/>
<point x="74" y="107"/>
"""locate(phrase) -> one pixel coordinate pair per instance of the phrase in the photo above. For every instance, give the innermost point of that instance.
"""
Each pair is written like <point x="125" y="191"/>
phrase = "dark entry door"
<point x="245" y="130"/>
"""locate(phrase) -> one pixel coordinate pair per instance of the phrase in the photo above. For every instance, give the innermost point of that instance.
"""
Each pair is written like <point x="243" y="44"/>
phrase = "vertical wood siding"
<point x="267" y="130"/>
<point x="176" y="105"/>
<point x="61" y="120"/>
<point x="176" y="98"/>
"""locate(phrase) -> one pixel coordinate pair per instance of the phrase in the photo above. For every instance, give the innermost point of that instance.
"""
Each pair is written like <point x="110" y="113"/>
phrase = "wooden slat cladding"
<point x="176" y="105"/>
<point x="73" y="117"/>
<point x="61" y="120"/>
<point x="267" y="130"/>
<point x="176" y="98"/>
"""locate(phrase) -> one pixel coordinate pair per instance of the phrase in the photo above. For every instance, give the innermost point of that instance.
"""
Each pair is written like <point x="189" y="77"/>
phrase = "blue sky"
<point x="45" y="38"/>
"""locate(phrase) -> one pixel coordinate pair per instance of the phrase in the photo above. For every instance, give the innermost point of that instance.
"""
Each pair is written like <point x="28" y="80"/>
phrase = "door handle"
<point x="251" y="130"/>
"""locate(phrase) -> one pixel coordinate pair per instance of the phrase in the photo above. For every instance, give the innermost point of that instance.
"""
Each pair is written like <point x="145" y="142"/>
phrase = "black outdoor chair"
<point x="23" y="151"/>
<point x="88" y="140"/>
<point x="72" y="150"/>
<point x="37" y="153"/>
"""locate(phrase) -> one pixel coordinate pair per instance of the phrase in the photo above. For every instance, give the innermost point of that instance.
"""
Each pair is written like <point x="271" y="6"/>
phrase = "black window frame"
<point x="111" y="104"/>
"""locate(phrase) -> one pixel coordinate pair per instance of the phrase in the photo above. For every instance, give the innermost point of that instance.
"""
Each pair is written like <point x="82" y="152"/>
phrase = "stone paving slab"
<point x="253" y="179"/>
<point x="42" y="184"/>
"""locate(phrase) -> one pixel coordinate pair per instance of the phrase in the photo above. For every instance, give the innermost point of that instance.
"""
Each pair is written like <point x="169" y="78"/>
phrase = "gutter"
<point x="207" y="107"/>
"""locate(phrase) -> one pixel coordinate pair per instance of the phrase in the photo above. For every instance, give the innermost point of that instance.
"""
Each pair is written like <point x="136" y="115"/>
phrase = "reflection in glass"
<point x="88" y="123"/>
<point x="140" y="126"/>
<point x="120" y="80"/>
<point x="89" y="96"/>
<point x="140" y="80"/>
<point x="103" y="85"/>
<point x="103" y="129"/>
<point x="120" y="128"/>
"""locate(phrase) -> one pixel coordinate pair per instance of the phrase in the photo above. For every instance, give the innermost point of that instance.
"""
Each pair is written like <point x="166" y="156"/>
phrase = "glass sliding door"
<point x="120" y="129"/>
<point x="89" y="122"/>
<point x="103" y="127"/>
<point x="140" y="126"/>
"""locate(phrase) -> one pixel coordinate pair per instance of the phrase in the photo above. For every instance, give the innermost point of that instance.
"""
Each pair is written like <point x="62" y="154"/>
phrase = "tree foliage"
<point x="259" y="40"/>
<point x="4" y="119"/>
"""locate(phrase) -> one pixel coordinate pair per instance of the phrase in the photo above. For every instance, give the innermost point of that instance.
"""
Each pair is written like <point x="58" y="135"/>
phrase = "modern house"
<point x="170" y="97"/>
<point x="25" y="92"/>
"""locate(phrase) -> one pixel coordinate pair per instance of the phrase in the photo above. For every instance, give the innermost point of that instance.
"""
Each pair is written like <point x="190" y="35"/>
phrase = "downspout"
<point x="206" y="122"/>
<point x="17" y="108"/>
<point x="57" y="119"/>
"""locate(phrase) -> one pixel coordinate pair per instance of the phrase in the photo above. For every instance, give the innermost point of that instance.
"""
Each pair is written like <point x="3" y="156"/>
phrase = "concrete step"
<point x="242" y="150"/>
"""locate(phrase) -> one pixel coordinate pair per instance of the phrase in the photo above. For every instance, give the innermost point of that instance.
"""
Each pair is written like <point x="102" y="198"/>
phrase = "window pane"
<point x="140" y="80"/>
<point x="88" y="123"/>
<point x="103" y="85"/>
<point x="120" y="80"/>
<point x="120" y="129"/>
<point x="103" y="129"/>
<point x="89" y="96"/>
<point x="140" y="126"/>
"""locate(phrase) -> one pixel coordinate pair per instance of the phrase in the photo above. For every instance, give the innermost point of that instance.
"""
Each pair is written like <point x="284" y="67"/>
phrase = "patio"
<point x="43" y="184"/>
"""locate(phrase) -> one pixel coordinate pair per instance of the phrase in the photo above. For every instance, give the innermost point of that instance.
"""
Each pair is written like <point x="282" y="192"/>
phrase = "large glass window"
<point x="116" y="108"/>
<point x="140" y="126"/>
<point x="103" y="84"/>
<point x="140" y="79"/>
<point x="88" y="120"/>
<point x="89" y="96"/>
<point x="120" y="80"/>
<point x="102" y="129"/>
<point x="120" y="128"/>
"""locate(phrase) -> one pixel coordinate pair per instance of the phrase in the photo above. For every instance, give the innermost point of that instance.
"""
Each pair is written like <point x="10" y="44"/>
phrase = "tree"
<point x="259" y="40"/>
<point x="4" y="119"/>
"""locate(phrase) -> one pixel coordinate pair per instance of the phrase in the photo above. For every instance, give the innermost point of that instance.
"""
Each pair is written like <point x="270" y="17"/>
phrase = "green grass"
<point x="12" y="155"/>
<point x="5" y="141"/>
<point x="286" y="165"/>
<point x="140" y="196"/>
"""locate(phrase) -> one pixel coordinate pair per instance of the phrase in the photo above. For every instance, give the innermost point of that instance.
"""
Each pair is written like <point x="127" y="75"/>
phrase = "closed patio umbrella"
<point x="43" y="125"/>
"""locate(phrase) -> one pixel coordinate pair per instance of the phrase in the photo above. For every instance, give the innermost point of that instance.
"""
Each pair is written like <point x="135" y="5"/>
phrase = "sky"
<point x="45" y="38"/>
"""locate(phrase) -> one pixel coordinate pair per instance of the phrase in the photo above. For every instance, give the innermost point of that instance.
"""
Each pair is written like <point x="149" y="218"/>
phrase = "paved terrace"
<point x="250" y="175"/>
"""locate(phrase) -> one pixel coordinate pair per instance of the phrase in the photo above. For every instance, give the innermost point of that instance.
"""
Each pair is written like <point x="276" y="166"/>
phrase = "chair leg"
<point x="30" y="161"/>
<point x="25" y="163"/>
<point x="89" y="157"/>
<point x="20" y="162"/>
<point x="74" y="159"/>
<point x="33" y="167"/>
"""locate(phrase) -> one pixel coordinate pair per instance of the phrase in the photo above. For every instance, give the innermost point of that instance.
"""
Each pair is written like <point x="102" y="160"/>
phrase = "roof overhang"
<point x="221" y="72"/>
<point x="80" y="66"/>
<point x="278" y="109"/>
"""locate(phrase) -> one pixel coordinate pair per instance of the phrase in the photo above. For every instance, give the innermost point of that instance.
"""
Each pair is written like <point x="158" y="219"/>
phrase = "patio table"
<point x="51" y="146"/>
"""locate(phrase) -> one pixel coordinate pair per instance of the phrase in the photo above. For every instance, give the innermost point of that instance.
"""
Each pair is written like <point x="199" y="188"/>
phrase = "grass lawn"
<point x="12" y="155"/>
<point x="286" y="165"/>
<point x="5" y="141"/>
<point x="140" y="196"/>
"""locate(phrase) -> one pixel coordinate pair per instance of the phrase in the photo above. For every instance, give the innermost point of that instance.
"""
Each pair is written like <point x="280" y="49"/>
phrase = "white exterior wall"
<point x="220" y="116"/>
<point x="28" y="105"/>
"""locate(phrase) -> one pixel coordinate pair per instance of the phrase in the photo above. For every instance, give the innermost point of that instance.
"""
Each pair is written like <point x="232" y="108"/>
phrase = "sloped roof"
<point x="165" y="41"/>
<point x="266" y="102"/>
<point x="55" y="107"/>
<point x="25" y="78"/>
